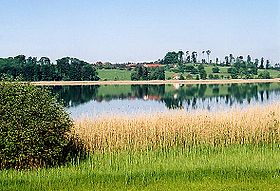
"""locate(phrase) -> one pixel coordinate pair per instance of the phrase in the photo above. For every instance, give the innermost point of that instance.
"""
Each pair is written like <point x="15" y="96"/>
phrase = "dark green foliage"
<point x="189" y="68"/>
<point x="181" y="77"/>
<point x="43" y="70"/>
<point x="134" y="76"/>
<point x="233" y="73"/>
<point x="151" y="73"/>
<point x="34" y="128"/>
<point x="216" y="77"/>
<point x="194" y="71"/>
<point x="194" y="57"/>
<point x="171" y="58"/>
<point x="157" y="73"/>
<point x="211" y="76"/>
<point x="267" y="66"/>
<point x="203" y="74"/>
<point x="200" y="67"/>
<point x="262" y="63"/>
<point x="216" y="69"/>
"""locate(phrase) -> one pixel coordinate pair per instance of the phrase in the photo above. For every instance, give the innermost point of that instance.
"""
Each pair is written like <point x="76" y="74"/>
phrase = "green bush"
<point x="211" y="76"/>
<point x="216" y="69"/>
<point x="264" y="75"/>
<point x="34" y="128"/>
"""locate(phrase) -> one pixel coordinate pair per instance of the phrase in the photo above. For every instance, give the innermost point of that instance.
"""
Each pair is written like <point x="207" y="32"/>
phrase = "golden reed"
<point x="253" y="125"/>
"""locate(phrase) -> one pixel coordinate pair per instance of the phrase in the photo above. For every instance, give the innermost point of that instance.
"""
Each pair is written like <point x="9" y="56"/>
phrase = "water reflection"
<point x="188" y="97"/>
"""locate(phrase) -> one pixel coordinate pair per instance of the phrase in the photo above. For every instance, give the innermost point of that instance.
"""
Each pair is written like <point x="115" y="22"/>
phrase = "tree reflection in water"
<point x="176" y="97"/>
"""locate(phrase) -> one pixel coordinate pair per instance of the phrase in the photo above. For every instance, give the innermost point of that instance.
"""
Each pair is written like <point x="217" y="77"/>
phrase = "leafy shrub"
<point x="34" y="128"/>
<point x="264" y="75"/>
<point x="211" y="76"/>
<point x="189" y="68"/>
<point x="189" y="77"/>
<point x="181" y="77"/>
<point x="194" y="71"/>
<point x="216" y="70"/>
<point x="216" y="77"/>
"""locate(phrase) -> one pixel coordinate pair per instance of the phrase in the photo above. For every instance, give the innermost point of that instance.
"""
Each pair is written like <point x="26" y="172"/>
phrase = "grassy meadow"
<point x="119" y="75"/>
<point x="114" y="74"/>
<point x="232" y="150"/>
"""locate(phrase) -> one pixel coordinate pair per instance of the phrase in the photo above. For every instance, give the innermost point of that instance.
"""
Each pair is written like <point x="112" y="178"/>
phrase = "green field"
<point x="223" y="72"/>
<point x="116" y="74"/>
<point x="113" y="74"/>
<point x="200" y="168"/>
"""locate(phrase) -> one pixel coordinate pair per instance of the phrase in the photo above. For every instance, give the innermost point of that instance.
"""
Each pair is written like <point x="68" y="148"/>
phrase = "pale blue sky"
<point x="139" y="30"/>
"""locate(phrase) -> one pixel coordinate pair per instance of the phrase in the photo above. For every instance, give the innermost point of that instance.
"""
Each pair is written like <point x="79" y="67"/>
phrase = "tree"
<point x="203" y="74"/>
<point x="208" y="52"/>
<point x="89" y="73"/>
<point x="200" y="67"/>
<point x="160" y="73"/>
<point x="171" y="58"/>
<point x="180" y="56"/>
<point x="134" y="76"/>
<point x="249" y="59"/>
<point x="252" y="68"/>
<point x="256" y="62"/>
<point x="44" y="61"/>
<point x="35" y="129"/>
<point x="227" y="60"/>
<point x="217" y="60"/>
<point x="262" y="63"/>
<point x="194" y="57"/>
<point x="231" y="58"/>
<point x="233" y="73"/>
<point x="203" y="60"/>
<point x="188" y="58"/>
<point x="29" y="70"/>
<point x="267" y="64"/>
<point x="145" y="75"/>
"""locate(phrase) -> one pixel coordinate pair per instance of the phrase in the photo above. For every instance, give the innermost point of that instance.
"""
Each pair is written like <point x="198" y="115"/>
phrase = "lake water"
<point x="95" y="101"/>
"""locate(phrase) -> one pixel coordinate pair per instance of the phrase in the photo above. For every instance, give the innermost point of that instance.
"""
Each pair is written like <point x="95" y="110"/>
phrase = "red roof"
<point x="152" y="65"/>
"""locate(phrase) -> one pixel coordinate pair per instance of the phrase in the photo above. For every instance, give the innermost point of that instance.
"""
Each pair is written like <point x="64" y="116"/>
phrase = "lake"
<point x="104" y="100"/>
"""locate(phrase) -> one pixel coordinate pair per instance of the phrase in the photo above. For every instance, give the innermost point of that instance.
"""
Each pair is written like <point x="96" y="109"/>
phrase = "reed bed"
<point x="251" y="126"/>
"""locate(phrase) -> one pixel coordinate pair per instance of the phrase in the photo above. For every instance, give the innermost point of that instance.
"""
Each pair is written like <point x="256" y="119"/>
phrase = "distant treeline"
<point x="31" y="69"/>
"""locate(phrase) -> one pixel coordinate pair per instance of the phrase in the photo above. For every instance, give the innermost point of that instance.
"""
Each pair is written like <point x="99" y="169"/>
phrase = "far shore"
<point x="152" y="82"/>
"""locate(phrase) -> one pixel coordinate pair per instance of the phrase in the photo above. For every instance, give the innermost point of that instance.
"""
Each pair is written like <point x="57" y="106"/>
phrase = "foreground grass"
<point x="234" y="150"/>
<point x="198" y="168"/>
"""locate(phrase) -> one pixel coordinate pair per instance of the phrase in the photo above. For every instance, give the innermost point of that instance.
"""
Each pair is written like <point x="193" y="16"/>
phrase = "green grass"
<point x="114" y="74"/>
<point x="201" y="168"/>
<point x="223" y="72"/>
<point x="273" y="73"/>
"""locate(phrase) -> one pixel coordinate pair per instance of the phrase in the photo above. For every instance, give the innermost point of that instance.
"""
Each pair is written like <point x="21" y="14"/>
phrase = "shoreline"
<point x="151" y="82"/>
